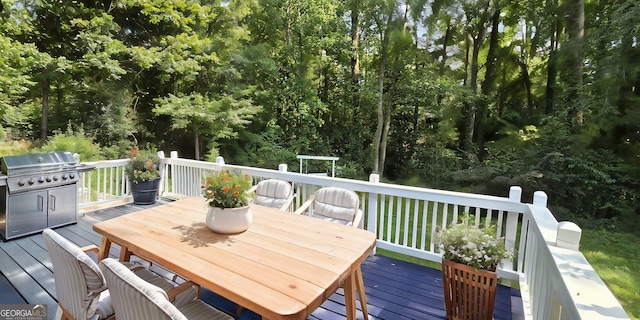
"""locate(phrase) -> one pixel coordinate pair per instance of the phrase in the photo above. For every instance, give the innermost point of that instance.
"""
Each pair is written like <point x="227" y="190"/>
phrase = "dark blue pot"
<point x="145" y="192"/>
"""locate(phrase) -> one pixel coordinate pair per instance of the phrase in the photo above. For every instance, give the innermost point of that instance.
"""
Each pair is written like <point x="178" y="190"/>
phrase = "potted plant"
<point x="470" y="256"/>
<point x="228" y="201"/>
<point x="144" y="177"/>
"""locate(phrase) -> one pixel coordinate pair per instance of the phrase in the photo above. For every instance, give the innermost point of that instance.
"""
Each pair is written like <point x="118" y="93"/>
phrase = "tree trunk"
<point x="385" y="134"/>
<point x="526" y="81"/>
<point x="489" y="79"/>
<point x="377" y="138"/>
<point x="465" y="141"/>
<point x="46" y="90"/>
<point x="445" y="42"/>
<point x="196" y="143"/>
<point x="490" y="74"/>
<point x="552" y="68"/>
<point x="575" y="30"/>
<point x="355" y="40"/>
<point x="471" y="107"/>
<point x="355" y="56"/>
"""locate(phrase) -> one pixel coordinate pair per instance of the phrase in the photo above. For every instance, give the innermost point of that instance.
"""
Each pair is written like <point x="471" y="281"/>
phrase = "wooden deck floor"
<point x="395" y="289"/>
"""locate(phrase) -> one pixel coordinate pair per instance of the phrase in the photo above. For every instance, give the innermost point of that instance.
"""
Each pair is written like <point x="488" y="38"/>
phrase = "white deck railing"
<point x="555" y="279"/>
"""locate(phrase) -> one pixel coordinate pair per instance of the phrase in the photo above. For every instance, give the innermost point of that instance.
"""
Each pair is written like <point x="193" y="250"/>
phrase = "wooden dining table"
<point x="283" y="267"/>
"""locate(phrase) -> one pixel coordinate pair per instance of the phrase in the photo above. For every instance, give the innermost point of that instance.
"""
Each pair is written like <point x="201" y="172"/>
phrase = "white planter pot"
<point x="229" y="220"/>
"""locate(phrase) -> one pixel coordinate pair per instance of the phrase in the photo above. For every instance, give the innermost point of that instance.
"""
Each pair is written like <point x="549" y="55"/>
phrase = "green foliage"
<point x="74" y="141"/>
<point x="142" y="165"/>
<point x="217" y="116"/>
<point x="266" y="150"/>
<point x="14" y="147"/>
<point x="227" y="189"/>
<point x="470" y="245"/>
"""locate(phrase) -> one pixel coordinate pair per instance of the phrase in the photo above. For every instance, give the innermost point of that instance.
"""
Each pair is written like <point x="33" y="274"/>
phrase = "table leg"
<point x="125" y="254"/>
<point x="105" y="246"/>
<point x="350" y="295"/>
<point x="361" y="294"/>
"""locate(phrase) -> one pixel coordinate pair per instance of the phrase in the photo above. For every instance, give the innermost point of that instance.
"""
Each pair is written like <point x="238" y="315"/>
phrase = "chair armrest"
<point x="90" y="248"/>
<point x="305" y="205"/>
<point x="287" y="205"/>
<point x="173" y="293"/>
<point x="357" y="220"/>
<point x="252" y="189"/>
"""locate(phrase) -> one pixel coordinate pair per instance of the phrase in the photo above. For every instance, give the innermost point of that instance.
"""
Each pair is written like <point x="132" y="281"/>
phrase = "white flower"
<point x="473" y="246"/>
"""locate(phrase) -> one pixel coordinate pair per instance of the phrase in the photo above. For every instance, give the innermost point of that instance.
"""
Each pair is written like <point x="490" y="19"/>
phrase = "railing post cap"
<point x="374" y="177"/>
<point x="282" y="167"/>
<point x="173" y="154"/>
<point x="219" y="160"/>
<point x="568" y="235"/>
<point x="161" y="154"/>
<point x="515" y="193"/>
<point x="540" y="199"/>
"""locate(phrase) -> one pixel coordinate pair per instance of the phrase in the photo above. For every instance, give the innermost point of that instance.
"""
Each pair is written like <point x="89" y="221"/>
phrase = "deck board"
<point x="395" y="289"/>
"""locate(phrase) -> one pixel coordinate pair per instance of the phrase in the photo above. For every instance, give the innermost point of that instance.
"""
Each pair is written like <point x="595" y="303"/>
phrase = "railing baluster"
<point x="434" y="222"/>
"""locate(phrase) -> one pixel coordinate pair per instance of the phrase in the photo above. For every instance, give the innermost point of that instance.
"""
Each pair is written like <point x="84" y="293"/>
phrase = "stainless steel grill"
<point x="37" y="191"/>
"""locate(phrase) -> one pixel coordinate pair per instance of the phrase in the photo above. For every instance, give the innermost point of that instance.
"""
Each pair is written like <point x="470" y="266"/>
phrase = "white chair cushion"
<point x="104" y="308"/>
<point x="272" y="193"/>
<point x="198" y="309"/>
<point x="336" y="203"/>
<point x="331" y="219"/>
<point x="133" y="297"/>
<point x="78" y="279"/>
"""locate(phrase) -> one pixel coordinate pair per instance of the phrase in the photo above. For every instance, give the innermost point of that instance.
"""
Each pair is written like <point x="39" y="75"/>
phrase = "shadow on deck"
<point x="395" y="289"/>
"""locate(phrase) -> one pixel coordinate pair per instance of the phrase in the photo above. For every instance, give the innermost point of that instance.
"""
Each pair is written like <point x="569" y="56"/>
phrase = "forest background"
<point x="463" y="95"/>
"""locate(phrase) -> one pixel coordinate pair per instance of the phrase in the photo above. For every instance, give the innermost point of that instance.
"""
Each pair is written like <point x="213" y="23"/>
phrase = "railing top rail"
<point x="107" y="163"/>
<point x="580" y="281"/>
<point x="460" y="198"/>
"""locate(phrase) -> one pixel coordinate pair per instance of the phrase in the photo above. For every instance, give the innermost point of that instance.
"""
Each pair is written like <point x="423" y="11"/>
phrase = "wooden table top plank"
<point x="283" y="267"/>
<point x="334" y="245"/>
<point x="330" y="240"/>
<point x="329" y="260"/>
<point x="258" y="257"/>
<point x="326" y="238"/>
<point x="301" y="225"/>
<point x="246" y="260"/>
<point x="292" y="250"/>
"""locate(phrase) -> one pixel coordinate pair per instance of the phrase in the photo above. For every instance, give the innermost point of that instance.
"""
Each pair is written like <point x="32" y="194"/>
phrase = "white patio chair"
<point x="334" y="204"/>
<point x="81" y="289"/>
<point x="337" y="205"/>
<point x="273" y="193"/>
<point x="134" y="298"/>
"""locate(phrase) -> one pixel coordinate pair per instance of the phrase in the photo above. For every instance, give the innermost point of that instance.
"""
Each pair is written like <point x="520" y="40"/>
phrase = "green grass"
<point x="616" y="259"/>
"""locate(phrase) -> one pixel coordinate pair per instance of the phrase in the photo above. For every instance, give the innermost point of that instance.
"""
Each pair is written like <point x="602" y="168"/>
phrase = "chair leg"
<point x="65" y="315"/>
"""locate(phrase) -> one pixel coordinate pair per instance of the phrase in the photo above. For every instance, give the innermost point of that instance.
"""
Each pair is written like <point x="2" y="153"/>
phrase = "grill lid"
<point x="43" y="161"/>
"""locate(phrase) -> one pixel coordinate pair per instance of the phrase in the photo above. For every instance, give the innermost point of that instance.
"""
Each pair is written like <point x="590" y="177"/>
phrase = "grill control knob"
<point x="49" y="179"/>
<point x="65" y="176"/>
<point x="72" y="175"/>
<point x="32" y="181"/>
<point x="41" y="179"/>
<point x="55" y="177"/>
<point x="21" y="183"/>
